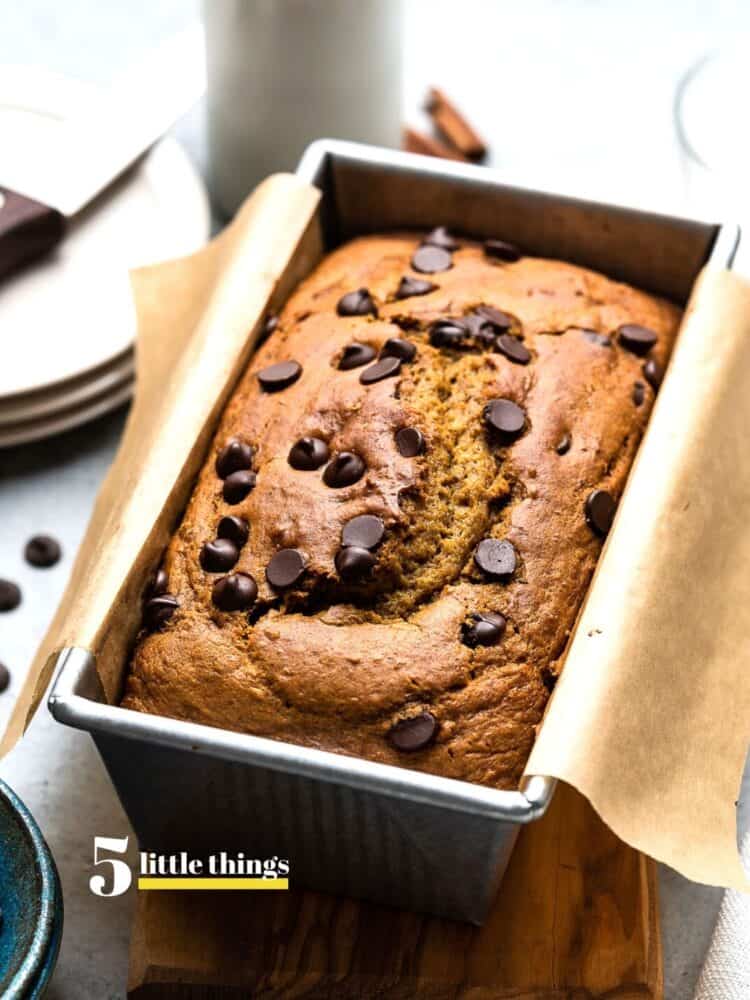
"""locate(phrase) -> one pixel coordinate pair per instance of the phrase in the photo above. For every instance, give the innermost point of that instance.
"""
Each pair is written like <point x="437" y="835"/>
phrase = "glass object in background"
<point x="284" y="72"/>
<point x="710" y="106"/>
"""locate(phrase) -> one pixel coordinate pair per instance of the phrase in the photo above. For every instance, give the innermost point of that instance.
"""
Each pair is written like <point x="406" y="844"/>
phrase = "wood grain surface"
<point x="576" y="918"/>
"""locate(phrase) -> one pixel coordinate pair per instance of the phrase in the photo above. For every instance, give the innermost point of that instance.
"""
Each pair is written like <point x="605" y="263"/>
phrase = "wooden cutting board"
<point x="576" y="918"/>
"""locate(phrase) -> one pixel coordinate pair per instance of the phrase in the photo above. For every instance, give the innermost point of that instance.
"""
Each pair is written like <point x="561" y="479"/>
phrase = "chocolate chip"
<point x="236" y="529"/>
<point x="653" y="373"/>
<point x="279" y="376"/>
<point x="386" y="368"/>
<point x="42" y="551"/>
<point x="414" y="286"/>
<point x="365" y="531"/>
<point x="500" y="250"/>
<point x="635" y="338"/>
<point x="495" y="558"/>
<point x="343" y="470"/>
<point x="285" y="568"/>
<point x="483" y="629"/>
<point x="448" y="333"/>
<point x="4" y="678"/>
<point x="10" y="595"/>
<point x="355" y="355"/>
<point x="639" y="393"/>
<point x="359" y="303"/>
<point x="219" y="556"/>
<point x="563" y="445"/>
<point x="238" y="485"/>
<point x="233" y="456"/>
<point x="354" y="562"/>
<point x="496" y="317"/>
<point x="234" y="592"/>
<point x="410" y="442"/>
<point x="308" y="453"/>
<point x="513" y="349"/>
<point x="600" y="339"/>
<point x="270" y="323"/>
<point x="481" y="330"/>
<point x="159" y="610"/>
<point x="505" y="418"/>
<point x="430" y="260"/>
<point x="440" y="237"/>
<point x="158" y="584"/>
<point x="415" y="733"/>
<point x="395" y="347"/>
<point x="600" y="511"/>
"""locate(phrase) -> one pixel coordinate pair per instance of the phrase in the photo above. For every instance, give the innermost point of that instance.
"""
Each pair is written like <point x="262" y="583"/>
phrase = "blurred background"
<point x="636" y="102"/>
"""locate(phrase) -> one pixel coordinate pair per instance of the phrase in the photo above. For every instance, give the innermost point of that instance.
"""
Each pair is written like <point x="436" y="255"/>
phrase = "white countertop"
<point x="571" y="93"/>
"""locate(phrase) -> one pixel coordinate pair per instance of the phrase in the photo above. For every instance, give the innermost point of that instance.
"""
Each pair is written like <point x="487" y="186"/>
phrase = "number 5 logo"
<point x="121" y="873"/>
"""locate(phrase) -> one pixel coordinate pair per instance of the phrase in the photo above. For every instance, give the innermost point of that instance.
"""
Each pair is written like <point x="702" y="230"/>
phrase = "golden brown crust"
<point x="335" y="665"/>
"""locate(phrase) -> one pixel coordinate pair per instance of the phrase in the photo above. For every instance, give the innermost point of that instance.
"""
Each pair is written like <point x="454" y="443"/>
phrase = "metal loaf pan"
<point x="351" y="826"/>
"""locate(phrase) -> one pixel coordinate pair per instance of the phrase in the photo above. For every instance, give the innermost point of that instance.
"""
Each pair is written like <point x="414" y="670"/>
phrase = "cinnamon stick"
<point x="418" y="142"/>
<point x="449" y="121"/>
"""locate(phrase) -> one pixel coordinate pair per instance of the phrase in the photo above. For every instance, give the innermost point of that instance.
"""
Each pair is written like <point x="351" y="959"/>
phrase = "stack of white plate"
<point x="67" y="323"/>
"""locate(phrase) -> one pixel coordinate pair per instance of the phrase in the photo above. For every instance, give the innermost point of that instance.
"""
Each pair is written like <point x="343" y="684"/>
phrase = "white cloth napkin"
<point x="726" y="969"/>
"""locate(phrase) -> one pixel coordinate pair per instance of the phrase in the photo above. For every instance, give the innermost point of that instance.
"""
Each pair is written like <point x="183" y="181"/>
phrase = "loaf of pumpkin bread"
<point x="404" y="504"/>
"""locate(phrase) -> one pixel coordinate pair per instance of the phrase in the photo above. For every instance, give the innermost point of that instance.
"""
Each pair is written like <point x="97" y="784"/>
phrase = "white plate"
<point x="37" y="430"/>
<point x="73" y="311"/>
<point x="72" y="393"/>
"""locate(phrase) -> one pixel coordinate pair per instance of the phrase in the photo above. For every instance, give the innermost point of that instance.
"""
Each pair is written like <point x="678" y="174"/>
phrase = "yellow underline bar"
<point x="213" y="883"/>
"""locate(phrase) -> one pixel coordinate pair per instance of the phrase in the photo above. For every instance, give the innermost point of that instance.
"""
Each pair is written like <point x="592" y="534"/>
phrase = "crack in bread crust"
<point x="333" y="664"/>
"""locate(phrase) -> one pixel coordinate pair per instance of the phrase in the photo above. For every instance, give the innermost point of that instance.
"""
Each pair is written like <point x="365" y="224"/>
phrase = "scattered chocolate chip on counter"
<point x="42" y="551"/>
<point x="4" y="685"/>
<point x="10" y="595"/>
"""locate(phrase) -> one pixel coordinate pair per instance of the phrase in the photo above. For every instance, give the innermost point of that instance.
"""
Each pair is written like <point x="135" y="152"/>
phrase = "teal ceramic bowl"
<point x="31" y="903"/>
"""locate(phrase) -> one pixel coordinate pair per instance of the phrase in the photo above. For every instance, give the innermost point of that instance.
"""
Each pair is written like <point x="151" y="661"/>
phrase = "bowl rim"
<point x="31" y="972"/>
